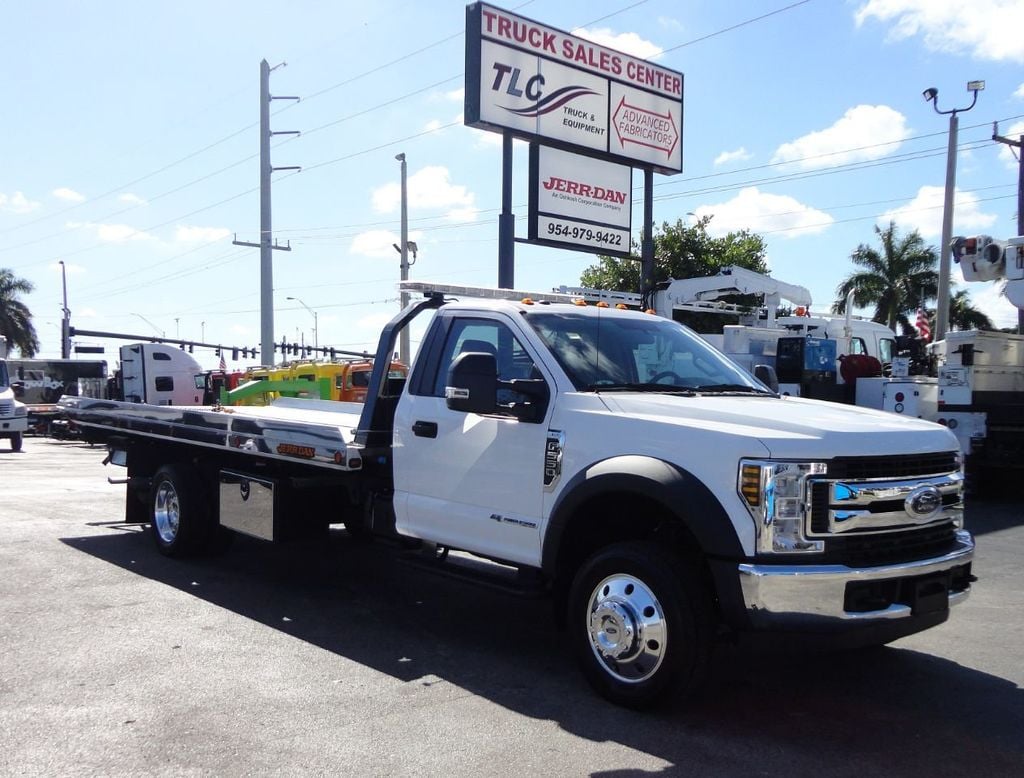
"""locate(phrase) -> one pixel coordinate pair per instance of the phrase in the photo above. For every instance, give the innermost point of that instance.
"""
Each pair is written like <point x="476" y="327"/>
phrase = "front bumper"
<point x="12" y="424"/>
<point x="816" y="597"/>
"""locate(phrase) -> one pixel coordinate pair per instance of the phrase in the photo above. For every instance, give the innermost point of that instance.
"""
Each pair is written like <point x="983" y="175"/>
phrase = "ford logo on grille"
<point x="924" y="502"/>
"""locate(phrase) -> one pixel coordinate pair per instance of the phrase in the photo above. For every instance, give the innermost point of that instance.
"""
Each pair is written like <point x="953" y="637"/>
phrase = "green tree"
<point x="896" y="280"/>
<point x="964" y="316"/>
<point x="15" y="317"/>
<point x="684" y="251"/>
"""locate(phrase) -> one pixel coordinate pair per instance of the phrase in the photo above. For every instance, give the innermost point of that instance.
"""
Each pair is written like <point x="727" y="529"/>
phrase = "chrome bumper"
<point x="812" y="596"/>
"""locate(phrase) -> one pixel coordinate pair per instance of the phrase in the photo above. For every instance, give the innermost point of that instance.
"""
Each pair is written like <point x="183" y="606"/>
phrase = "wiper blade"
<point x="744" y="388"/>
<point x="634" y="387"/>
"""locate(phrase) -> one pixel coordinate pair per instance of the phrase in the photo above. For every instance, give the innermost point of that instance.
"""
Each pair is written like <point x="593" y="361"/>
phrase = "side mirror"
<point x="472" y="385"/>
<point x="766" y="375"/>
<point x="18" y="387"/>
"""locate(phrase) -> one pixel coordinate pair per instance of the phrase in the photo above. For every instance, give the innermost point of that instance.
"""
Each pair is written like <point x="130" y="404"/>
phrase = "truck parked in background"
<point x="608" y="459"/>
<point x="13" y="412"/>
<point x="40" y="383"/>
<point x="157" y="374"/>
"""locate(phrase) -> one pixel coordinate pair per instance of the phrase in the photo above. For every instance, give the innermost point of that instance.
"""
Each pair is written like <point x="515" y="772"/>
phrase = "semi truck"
<point x="609" y="460"/>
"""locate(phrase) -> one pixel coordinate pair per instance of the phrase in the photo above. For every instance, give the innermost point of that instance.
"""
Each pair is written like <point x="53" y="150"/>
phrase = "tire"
<point x="640" y="624"/>
<point x="180" y="517"/>
<point x="16" y="441"/>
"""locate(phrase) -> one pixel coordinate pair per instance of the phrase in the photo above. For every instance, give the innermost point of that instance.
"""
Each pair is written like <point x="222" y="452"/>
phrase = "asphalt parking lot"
<point x="339" y="659"/>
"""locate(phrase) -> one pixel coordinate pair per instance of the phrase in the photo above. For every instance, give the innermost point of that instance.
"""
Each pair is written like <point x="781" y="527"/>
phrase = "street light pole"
<point x="316" y="331"/>
<point x="945" y="250"/>
<point x="65" y="323"/>
<point x="403" y="339"/>
<point x="163" y="334"/>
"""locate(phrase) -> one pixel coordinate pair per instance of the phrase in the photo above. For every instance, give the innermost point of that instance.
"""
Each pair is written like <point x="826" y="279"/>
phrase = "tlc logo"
<point x="532" y="88"/>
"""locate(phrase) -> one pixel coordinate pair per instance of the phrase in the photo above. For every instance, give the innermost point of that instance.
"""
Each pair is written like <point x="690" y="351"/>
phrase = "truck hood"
<point x="789" y="427"/>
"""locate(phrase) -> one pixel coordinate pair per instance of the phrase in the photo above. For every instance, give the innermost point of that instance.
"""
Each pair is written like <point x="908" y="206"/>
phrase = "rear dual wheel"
<point x="182" y="521"/>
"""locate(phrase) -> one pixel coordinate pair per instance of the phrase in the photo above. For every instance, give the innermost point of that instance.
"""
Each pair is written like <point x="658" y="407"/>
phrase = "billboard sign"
<point x="579" y="202"/>
<point x="544" y="84"/>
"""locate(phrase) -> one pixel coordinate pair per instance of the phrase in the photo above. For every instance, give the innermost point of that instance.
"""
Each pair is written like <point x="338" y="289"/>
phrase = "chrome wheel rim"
<point x="166" y="512"/>
<point x="626" y="628"/>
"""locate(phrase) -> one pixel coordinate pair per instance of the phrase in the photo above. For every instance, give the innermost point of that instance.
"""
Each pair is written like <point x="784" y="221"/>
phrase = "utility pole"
<point x="267" y="245"/>
<point x="65" y="322"/>
<point x="403" y="337"/>
<point x="945" y="250"/>
<point x="1019" y="145"/>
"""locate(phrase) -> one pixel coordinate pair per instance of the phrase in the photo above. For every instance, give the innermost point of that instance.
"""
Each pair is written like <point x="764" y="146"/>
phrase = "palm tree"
<point x="964" y="316"/>
<point x="895" y="281"/>
<point x="15" y="317"/>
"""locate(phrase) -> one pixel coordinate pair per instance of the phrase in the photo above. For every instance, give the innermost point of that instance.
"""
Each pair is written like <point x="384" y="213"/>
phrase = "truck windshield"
<point x="637" y="353"/>
<point x="4" y="380"/>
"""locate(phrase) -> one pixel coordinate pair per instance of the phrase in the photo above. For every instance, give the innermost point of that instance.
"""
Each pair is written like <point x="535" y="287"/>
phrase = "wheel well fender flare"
<point x="679" y="492"/>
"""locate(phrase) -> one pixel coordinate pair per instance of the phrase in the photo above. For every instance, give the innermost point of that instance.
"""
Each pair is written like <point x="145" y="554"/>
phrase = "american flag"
<point x="223" y="364"/>
<point x="922" y="325"/>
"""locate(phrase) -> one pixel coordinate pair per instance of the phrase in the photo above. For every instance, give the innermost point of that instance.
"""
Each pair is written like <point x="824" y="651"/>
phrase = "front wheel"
<point x="639" y="620"/>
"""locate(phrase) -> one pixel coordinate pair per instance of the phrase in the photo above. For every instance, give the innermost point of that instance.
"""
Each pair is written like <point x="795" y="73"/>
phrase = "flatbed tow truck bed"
<point x="317" y="432"/>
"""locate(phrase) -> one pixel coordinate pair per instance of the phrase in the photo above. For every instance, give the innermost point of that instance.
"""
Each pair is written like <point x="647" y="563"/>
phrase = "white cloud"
<point x="758" y="211"/>
<point x="68" y="195"/>
<point x="988" y="300"/>
<point x="462" y="214"/>
<point x="1014" y="131"/>
<point x="375" y="243"/>
<point x="486" y="139"/>
<point x="1019" y="92"/>
<point x="429" y="189"/>
<point x="432" y="126"/>
<point x="856" y="137"/>
<point x="112" y="233"/>
<point x="670" y="24"/>
<point x="984" y="29"/>
<point x="738" y="155"/>
<point x="17" y="203"/>
<point x="629" y="42"/>
<point x="131" y="199"/>
<point x="924" y="213"/>
<point x="186" y="234"/>
<point x="456" y="95"/>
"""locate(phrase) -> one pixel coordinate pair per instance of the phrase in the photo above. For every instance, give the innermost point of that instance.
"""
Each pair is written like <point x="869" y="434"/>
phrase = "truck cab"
<point x="160" y="375"/>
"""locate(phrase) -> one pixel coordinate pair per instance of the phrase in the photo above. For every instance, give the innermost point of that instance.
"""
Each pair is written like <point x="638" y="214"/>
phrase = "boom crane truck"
<point x="608" y="459"/>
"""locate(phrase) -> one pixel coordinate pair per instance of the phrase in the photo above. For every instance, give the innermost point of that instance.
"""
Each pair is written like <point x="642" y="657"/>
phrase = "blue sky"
<point x="130" y="147"/>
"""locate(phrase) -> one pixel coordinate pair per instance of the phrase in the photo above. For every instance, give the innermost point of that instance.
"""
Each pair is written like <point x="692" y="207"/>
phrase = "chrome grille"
<point x="867" y="512"/>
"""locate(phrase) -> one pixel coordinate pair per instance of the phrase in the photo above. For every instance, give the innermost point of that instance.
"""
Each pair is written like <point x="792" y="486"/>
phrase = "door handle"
<point x="425" y="429"/>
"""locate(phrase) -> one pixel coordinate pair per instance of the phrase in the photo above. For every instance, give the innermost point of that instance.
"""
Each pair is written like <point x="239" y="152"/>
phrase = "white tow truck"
<point x="607" y="458"/>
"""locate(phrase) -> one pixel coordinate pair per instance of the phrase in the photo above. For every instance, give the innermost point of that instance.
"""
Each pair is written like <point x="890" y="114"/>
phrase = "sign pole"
<point x="647" y="242"/>
<point x="506" y="220"/>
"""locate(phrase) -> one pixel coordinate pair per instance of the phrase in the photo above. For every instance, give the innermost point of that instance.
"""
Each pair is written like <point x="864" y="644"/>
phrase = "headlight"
<point x="20" y="410"/>
<point x="778" y="497"/>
